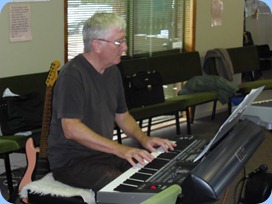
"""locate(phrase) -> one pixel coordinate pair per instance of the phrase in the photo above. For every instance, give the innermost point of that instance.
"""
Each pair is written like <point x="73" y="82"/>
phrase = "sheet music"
<point x="232" y="119"/>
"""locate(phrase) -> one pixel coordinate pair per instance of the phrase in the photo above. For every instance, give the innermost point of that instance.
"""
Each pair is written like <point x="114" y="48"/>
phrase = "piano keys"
<point x="140" y="183"/>
<point x="260" y="112"/>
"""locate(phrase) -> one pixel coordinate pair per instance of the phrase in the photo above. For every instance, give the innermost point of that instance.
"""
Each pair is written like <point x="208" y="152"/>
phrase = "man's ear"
<point x="96" y="46"/>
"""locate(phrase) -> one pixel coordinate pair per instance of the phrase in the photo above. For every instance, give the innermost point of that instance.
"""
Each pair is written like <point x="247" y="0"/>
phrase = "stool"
<point x="8" y="145"/>
<point x="48" y="190"/>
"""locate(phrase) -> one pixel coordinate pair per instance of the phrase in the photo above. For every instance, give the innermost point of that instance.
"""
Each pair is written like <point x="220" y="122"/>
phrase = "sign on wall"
<point x="217" y="13"/>
<point x="20" y="22"/>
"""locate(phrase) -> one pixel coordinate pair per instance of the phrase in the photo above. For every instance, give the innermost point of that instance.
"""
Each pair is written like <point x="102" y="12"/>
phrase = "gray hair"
<point x="98" y="26"/>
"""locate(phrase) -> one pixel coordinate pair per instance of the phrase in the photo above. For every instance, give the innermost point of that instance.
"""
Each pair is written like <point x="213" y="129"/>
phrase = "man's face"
<point x="114" y="45"/>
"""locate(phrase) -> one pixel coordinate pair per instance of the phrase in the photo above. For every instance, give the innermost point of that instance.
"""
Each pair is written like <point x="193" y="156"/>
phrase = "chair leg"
<point x="192" y="116"/>
<point x="119" y="137"/>
<point x="141" y="123"/>
<point x="149" y="126"/>
<point x="8" y="174"/>
<point x="177" y="123"/>
<point x="188" y="121"/>
<point x="229" y="107"/>
<point x="214" y="109"/>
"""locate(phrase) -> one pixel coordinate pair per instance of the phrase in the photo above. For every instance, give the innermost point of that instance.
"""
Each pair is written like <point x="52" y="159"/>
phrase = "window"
<point x="189" y="25"/>
<point x="152" y="25"/>
<point x="155" y="25"/>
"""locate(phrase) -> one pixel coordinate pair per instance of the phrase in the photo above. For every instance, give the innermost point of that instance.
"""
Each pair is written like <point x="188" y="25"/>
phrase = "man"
<point x="88" y="98"/>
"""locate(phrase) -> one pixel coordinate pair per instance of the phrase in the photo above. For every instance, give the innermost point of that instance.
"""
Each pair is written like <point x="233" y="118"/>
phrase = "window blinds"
<point x="152" y="25"/>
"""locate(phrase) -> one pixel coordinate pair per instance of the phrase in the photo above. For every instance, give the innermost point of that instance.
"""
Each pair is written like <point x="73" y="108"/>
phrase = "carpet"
<point x="16" y="178"/>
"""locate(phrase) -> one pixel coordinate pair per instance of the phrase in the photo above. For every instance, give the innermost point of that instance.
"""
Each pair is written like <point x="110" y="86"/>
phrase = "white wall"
<point x="229" y="34"/>
<point x="47" y="42"/>
<point x="260" y="28"/>
<point x="259" y="21"/>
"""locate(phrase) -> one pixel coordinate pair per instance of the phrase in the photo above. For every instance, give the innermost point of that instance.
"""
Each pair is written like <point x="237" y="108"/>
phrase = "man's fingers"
<point x="141" y="156"/>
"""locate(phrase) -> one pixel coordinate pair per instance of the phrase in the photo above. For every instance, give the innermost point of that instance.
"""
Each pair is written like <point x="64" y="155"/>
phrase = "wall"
<point x="260" y="28"/>
<point x="229" y="34"/>
<point x="47" y="42"/>
<point x="259" y="23"/>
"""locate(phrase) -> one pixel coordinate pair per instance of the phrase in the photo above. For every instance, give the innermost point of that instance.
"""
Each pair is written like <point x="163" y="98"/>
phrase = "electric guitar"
<point x="31" y="151"/>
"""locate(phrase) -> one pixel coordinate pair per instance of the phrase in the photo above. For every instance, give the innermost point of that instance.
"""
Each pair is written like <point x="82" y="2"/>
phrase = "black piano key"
<point x="126" y="188"/>
<point x="182" y="144"/>
<point x="156" y="164"/>
<point x="167" y="155"/>
<point x="133" y="182"/>
<point x="141" y="177"/>
<point x="147" y="171"/>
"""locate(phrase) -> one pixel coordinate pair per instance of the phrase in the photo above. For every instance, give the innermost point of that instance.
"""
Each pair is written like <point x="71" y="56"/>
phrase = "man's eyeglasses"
<point x="117" y="42"/>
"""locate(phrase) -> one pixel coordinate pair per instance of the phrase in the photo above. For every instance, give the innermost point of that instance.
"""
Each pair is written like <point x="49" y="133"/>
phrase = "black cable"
<point x="261" y="169"/>
<point x="235" y="191"/>
<point x="241" y="190"/>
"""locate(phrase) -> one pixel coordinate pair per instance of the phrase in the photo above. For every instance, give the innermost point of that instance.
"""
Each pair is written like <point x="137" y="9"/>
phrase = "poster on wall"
<point x="217" y="13"/>
<point x="20" y="22"/>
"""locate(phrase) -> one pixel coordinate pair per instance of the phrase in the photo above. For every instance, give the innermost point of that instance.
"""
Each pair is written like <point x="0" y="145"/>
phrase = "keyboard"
<point x="166" y="169"/>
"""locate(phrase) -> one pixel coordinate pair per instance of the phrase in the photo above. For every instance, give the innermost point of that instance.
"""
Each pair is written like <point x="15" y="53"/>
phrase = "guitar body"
<point x="37" y="163"/>
<point x="31" y="155"/>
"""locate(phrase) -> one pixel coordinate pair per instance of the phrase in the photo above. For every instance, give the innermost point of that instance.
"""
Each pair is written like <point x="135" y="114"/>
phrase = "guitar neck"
<point x="45" y="122"/>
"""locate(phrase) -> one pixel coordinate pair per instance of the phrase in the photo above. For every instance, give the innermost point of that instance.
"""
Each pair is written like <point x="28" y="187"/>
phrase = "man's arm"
<point x="127" y="123"/>
<point x="75" y="130"/>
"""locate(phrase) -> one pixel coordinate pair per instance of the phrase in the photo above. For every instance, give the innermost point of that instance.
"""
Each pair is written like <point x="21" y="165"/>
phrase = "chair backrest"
<point x="24" y="83"/>
<point x="264" y="51"/>
<point x="167" y="196"/>
<point x="244" y="59"/>
<point x="178" y="67"/>
<point x="174" y="67"/>
<point x="131" y="66"/>
<point x="142" y="87"/>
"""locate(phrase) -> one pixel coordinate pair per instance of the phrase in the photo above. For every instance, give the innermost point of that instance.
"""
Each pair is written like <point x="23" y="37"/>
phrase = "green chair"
<point x="167" y="196"/>
<point x="243" y="59"/>
<point x="246" y="59"/>
<point x="8" y="145"/>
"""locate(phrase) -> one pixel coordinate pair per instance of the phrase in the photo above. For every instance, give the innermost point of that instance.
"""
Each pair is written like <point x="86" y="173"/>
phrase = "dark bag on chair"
<point x="143" y="88"/>
<point x="21" y="113"/>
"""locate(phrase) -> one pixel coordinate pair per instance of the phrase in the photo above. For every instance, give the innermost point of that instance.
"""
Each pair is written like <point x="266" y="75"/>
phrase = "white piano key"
<point x="116" y="182"/>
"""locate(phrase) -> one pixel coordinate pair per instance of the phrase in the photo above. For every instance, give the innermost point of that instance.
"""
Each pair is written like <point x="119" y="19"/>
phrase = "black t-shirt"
<point x="83" y="93"/>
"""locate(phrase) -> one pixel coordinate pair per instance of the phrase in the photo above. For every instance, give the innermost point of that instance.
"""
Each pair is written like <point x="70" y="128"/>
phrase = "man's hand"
<point x="150" y="142"/>
<point x="134" y="155"/>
